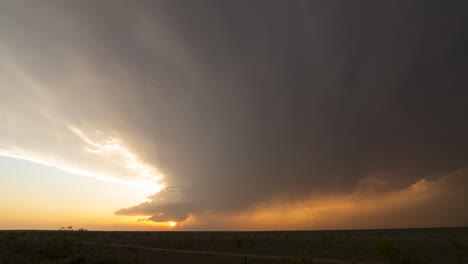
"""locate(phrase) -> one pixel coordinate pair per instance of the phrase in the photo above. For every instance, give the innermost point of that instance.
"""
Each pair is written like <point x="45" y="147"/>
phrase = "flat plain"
<point x="431" y="245"/>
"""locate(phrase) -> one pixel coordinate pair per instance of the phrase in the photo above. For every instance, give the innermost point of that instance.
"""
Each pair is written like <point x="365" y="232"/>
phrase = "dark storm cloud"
<point x="311" y="97"/>
<point x="170" y="204"/>
<point x="241" y="101"/>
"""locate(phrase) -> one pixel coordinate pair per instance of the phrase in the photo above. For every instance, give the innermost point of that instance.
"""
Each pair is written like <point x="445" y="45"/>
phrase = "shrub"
<point x="188" y="241"/>
<point x="328" y="240"/>
<point x="213" y="237"/>
<point x="305" y="256"/>
<point x="252" y="240"/>
<point x="78" y="259"/>
<point x="385" y="248"/>
<point x="238" y="241"/>
<point x="456" y="244"/>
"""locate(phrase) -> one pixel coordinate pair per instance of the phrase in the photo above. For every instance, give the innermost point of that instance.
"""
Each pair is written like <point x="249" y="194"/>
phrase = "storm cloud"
<point x="239" y="103"/>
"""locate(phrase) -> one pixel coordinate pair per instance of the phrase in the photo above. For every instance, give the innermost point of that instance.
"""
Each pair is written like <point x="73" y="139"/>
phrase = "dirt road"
<point x="242" y="255"/>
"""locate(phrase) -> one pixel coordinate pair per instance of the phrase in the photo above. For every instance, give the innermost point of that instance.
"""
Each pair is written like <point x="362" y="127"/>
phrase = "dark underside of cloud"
<point x="308" y="97"/>
<point x="240" y="102"/>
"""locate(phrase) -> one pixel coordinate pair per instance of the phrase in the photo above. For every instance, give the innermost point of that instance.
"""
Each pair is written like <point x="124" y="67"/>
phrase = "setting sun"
<point x="172" y="224"/>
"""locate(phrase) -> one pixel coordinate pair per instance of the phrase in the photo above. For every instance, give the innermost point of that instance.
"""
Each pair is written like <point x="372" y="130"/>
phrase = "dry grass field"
<point x="430" y="246"/>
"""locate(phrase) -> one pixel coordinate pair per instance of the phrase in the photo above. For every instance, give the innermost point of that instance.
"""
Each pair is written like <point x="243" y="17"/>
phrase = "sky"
<point x="233" y="115"/>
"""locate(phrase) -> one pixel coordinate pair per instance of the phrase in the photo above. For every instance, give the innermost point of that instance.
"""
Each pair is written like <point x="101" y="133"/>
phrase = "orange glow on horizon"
<point x="172" y="224"/>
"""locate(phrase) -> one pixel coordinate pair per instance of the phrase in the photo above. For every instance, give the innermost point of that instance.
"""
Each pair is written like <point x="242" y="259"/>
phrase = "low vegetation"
<point x="399" y="246"/>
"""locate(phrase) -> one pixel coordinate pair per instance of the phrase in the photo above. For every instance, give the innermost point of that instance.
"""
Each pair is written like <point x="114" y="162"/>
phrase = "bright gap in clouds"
<point x="110" y="151"/>
<point x="113" y="146"/>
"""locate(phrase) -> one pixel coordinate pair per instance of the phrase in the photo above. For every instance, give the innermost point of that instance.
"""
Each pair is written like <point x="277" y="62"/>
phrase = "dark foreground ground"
<point x="435" y="245"/>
